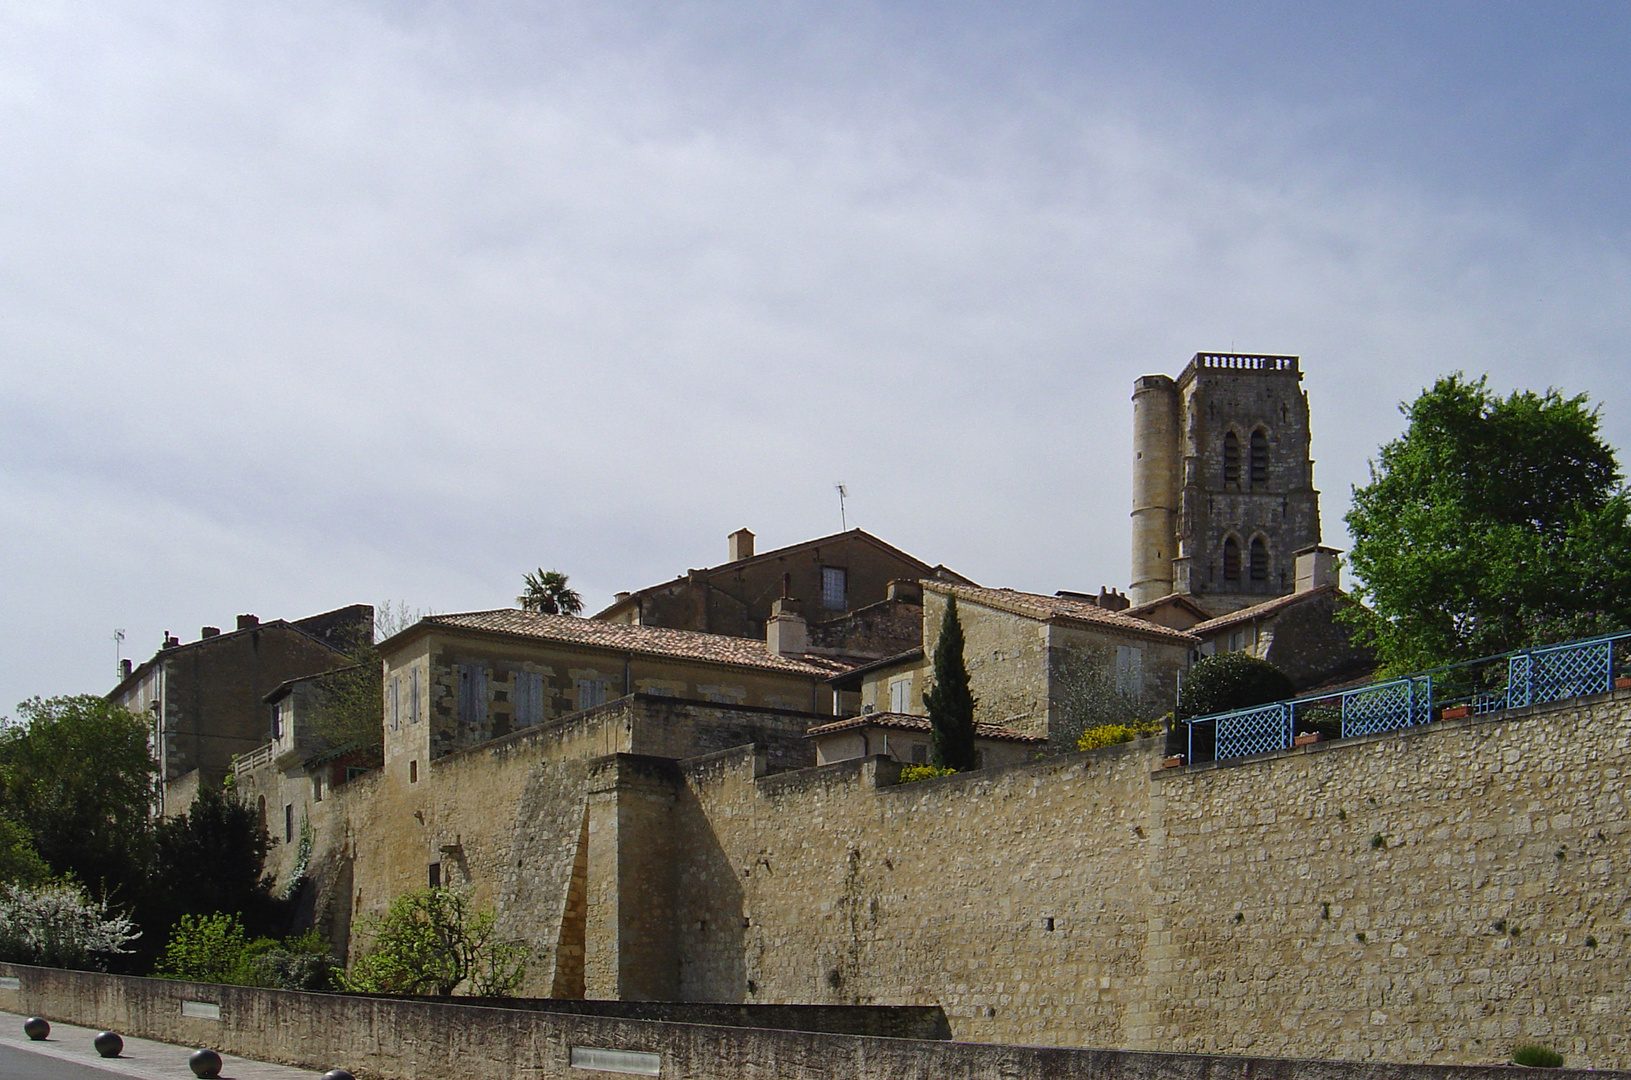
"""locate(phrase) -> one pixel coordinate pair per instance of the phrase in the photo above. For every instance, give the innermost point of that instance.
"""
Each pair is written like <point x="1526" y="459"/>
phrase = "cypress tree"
<point x="951" y="706"/>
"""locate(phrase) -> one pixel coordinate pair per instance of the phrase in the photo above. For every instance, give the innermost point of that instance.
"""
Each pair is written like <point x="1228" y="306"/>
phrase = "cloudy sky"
<point x="310" y="303"/>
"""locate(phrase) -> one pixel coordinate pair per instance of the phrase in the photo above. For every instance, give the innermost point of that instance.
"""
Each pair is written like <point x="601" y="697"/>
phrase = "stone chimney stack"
<point x="741" y="545"/>
<point x="209" y="631"/>
<point x="786" y="634"/>
<point x="248" y="622"/>
<point x="125" y="667"/>
<point x="1317" y="566"/>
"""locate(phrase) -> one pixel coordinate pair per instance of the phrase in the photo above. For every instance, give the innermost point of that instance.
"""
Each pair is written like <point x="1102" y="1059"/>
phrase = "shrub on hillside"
<point x="1230" y="681"/>
<point x="216" y="949"/>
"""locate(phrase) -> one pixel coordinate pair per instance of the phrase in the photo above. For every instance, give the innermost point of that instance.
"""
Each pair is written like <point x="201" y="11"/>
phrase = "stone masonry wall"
<point x="1439" y="894"/>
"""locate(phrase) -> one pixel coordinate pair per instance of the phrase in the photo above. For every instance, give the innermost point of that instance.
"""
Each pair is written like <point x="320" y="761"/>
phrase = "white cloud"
<point x="313" y="305"/>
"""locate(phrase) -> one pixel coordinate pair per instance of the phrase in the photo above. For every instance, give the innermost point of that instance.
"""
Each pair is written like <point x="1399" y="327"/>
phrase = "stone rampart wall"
<point x="1438" y="894"/>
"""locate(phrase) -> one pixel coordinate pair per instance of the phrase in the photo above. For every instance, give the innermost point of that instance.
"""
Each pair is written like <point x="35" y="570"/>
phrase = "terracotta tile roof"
<point x="1060" y="608"/>
<point x="1258" y="611"/>
<point x="646" y="640"/>
<point x="908" y="722"/>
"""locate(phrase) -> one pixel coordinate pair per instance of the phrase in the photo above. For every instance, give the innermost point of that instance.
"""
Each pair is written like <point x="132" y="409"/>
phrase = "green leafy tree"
<point x="546" y="592"/>
<point x="19" y="863"/>
<point x="76" y="773"/>
<point x="950" y="704"/>
<point x="217" y="949"/>
<point x="431" y="941"/>
<point x="1230" y="681"/>
<point x="1491" y="524"/>
<point x="211" y="859"/>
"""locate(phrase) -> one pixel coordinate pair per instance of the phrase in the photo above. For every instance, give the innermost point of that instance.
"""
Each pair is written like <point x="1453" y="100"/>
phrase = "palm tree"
<point x="547" y="593"/>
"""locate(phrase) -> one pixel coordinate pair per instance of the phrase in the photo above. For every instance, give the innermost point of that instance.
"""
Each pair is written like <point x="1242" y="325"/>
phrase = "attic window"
<point x="834" y="588"/>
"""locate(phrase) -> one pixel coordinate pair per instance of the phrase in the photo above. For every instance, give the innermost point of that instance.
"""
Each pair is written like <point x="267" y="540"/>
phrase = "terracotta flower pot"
<point x="1176" y="761"/>
<point x="1623" y="682"/>
<point x="1456" y="712"/>
<point x="1307" y="738"/>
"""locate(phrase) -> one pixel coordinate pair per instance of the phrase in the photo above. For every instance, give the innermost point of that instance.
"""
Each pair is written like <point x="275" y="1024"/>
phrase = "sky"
<point x="305" y="304"/>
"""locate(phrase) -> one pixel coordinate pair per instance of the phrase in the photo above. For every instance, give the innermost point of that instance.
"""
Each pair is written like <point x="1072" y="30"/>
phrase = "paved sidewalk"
<point x="142" y="1058"/>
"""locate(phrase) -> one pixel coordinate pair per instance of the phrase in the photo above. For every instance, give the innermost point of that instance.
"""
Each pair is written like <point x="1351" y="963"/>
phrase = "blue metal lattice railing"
<point x="1509" y="681"/>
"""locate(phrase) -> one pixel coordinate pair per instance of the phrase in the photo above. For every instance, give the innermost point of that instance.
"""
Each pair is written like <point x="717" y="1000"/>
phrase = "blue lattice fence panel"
<point x="1570" y="671"/>
<point x="1254" y="731"/>
<point x="1387" y="706"/>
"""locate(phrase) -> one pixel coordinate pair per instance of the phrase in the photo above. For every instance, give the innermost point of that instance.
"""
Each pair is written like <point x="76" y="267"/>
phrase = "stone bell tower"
<point x="1223" y="487"/>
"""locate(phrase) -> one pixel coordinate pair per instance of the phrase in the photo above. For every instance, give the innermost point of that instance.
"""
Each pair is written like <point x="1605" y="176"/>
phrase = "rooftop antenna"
<point x="843" y="519"/>
<point x="118" y="652"/>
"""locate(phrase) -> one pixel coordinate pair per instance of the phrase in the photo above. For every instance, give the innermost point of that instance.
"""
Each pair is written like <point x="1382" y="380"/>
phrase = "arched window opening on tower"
<point x="1231" y="458"/>
<point x="1260" y="458"/>
<point x="1260" y="560"/>
<point x="1231" y="559"/>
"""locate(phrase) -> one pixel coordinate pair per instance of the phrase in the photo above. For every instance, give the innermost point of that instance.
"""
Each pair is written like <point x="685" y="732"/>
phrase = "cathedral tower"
<point x="1223" y="487"/>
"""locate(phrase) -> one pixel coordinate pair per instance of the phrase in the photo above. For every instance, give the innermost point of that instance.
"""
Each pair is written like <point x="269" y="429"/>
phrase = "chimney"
<point x="209" y="631"/>
<point x="618" y="598"/>
<point x="169" y="642"/>
<point x="786" y="632"/>
<point x="741" y="545"/>
<point x="1111" y="600"/>
<point x="1317" y="566"/>
<point x="124" y="669"/>
<point x="248" y="622"/>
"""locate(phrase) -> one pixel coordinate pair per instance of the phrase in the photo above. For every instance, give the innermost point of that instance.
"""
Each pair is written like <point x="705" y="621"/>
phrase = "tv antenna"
<point x="118" y="653"/>
<point x="843" y="518"/>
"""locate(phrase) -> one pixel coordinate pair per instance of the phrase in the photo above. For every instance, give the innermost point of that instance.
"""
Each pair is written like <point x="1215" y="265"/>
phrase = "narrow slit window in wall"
<point x="1231" y="559"/>
<point x="1231" y="458"/>
<point x="1260" y="560"/>
<point x="1260" y="458"/>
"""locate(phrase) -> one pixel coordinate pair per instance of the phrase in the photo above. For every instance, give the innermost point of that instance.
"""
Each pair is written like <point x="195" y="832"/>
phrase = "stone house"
<point x="840" y="584"/>
<point x="455" y="681"/>
<point x="905" y="738"/>
<point x="206" y="698"/>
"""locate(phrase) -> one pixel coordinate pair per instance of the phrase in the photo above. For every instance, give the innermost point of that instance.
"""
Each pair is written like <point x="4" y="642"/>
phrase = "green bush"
<point x="216" y="949"/>
<point x="1537" y="1057"/>
<point x="1230" y="681"/>
<point x="431" y="941"/>
<point x="911" y="774"/>
<point x="1111" y="734"/>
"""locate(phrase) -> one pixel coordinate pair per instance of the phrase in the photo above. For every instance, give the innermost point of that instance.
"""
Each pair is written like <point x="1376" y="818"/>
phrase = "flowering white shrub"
<point x="57" y="925"/>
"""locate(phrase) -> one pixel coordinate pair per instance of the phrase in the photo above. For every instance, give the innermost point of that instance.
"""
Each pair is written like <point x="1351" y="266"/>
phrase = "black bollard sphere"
<point x="108" y="1044"/>
<point x="205" y="1063"/>
<point x="338" y="1074"/>
<point x="36" y="1028"/>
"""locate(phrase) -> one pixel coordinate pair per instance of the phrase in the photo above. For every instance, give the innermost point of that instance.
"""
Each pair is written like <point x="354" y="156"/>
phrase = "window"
<point x="472" y="693"/>
<point x="920" y="754"/>
<point x="1260" y="560"/>
<point x="317" y="788"/>
<point x="1231" y="459"/>
<point x="834" y="588"/>
<point x="435" y="875"/>
<point x="900" y="694"/>
<point x="591" y="692"/>
<point x="288" y="823"/>
<point x="396" y="702"/>
<point x="413" y="695"/>
<point x="1231" y="559"/>
<point x="529" y="698"/>
<point x="277" y="720"/>
<point x="1130" y="670"/>
<point x="1260" y="458"/>
<point x="413" y="772"/>
<point x="354" y="771"/>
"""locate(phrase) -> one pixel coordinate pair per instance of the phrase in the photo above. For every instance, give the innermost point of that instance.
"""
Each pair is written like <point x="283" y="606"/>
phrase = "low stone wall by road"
<point x="392" y="1039"/>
